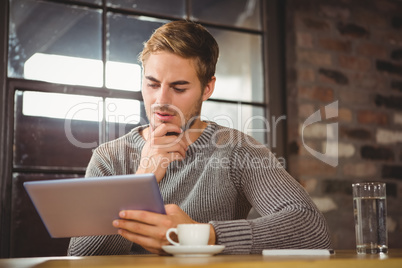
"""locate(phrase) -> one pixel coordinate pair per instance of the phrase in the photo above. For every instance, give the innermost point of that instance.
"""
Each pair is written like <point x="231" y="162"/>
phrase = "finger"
<point x="165" y="128"/>
<point x="148" y="236"/>
<point x="141" y="233"/>
<point x="177" y="149"/>
<point x="166" y="157"/>
<point x="147" y="217"/>
<point x="172" y="209"/>
<point x="174" y="156"/>
<point x="167" y="145"/>
<point x="149" y="243"/>
<point x="137" y="215"/>
<point x="167" y="140"/>
<point x="136" y="227"/>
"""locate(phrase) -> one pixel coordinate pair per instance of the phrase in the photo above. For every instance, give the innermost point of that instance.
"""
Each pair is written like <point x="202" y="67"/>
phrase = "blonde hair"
<point x="188" y="40"/>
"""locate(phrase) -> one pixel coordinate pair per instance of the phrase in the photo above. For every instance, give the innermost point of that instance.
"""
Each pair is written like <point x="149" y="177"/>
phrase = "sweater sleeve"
<point x="289" y="218"/>
<point x="99" y="245"/>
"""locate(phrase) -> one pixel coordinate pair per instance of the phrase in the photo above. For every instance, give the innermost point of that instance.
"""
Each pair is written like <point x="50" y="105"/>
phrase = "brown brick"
<point x="352" y="30"/>
<point x="388" y="136"/>
<point x="335" y="44"/>
<point x="396" y="22"/>
<point x="317" y="93"/>
<point x="371" y="50"/>
<point x="371" y="18"/>
<point x="397" y="85"/>
<point x="398" y="120"/>
<point x="315" y="58"/>
<point x="386" y="6"/>
<point x="315" y="24"/>
<point x="314" y="131"/>
<point x="354" y="63"/>
<point x="394" y="172"/>
<point x="389" y="67"/>
<point x="390" y="102"/>
<point x="392" y="189"/>
<point x="304" y="40"/>
<point x="312" y="167"/>
<point x="372" y="117"/>
<point x="310" y="185"/>
<point x="345" y="150"/>
<point x="377" y="153"/>
<point x="363" y="169"/>
<point x="355" y="133"/>
<point x="354" y="97"/>
<point x="333" y="76"/>
<point x="325" y="79"/>
<point x="312" y="144"/>
<point x="369" y="80"/>
<point x="393" y="38"/>
<point x="396" y="54"/>
<point x="337" y="187"/>
<point x="305" y="110"/>
<point x="293" y="148"/>
<point x="345" y="115"/>
<point x="306" y="75"/>
<point x="335" y="12"/>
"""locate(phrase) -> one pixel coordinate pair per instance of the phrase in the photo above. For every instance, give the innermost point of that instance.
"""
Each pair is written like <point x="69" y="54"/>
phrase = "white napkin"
<point x="297" y="252"/>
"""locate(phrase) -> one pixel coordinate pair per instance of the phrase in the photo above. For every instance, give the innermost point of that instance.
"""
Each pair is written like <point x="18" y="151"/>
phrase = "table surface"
<point x="341" y="258"/>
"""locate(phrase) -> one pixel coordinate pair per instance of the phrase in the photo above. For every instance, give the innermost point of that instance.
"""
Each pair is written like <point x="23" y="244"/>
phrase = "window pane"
<point x="28" y="235"/>
<point x="174" y="8"/>
<point x="240" y="13"/>
<point x="55" y="43"/>
<point x="239" y="72"/>
<point x="126" y="37"/>
<point x="124" y="76"/>
<point x="122" y="115"/>
<point x="246" y="118"/>
<point x="55" y="130"/>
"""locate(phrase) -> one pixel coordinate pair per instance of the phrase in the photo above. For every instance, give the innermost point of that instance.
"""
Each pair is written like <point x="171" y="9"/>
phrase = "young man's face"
<point x="172" y="91"/>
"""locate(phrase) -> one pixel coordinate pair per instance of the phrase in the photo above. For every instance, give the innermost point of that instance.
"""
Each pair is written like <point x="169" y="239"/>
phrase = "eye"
<point x="153" y="85"/>
<point x="179" y="90"/>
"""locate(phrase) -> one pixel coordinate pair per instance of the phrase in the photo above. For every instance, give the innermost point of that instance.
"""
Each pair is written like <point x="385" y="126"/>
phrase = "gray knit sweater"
<point x="223" y="175"/>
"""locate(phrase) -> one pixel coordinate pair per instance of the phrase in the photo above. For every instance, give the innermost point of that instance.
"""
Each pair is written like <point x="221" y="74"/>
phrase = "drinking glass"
<point x="370" y="213"/>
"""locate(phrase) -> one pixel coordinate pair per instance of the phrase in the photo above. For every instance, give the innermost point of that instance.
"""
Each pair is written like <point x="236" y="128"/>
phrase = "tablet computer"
<point x="88" y="206"/>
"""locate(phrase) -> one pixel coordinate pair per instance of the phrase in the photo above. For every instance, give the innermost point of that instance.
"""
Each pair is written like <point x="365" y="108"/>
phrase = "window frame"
<point x="5" y="154"/>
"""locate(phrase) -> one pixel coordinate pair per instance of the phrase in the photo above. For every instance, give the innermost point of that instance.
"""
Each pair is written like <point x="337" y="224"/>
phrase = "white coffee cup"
<point x="196" y="234"/>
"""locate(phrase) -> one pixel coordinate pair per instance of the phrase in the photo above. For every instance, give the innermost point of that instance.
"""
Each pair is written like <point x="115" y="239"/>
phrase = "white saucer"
<point x="193" y="251"/>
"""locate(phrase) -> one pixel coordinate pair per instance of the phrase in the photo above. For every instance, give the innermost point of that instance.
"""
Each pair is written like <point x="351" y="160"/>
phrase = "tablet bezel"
<point x="88" y="206"/>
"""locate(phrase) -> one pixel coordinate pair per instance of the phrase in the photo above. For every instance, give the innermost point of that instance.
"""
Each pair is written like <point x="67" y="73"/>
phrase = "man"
<point x="206" y="173"/>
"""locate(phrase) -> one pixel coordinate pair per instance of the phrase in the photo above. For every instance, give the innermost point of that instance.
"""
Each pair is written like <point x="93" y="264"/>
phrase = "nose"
<point x="164" y="95"/>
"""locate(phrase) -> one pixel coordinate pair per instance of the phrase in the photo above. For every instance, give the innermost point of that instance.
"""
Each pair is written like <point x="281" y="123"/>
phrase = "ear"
<point x="209" y="89"/>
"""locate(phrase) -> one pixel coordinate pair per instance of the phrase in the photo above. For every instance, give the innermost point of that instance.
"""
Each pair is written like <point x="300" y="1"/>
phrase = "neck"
<point x="191" y="134"/>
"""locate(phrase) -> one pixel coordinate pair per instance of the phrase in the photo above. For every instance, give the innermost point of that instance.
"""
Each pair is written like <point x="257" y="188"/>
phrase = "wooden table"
<point x="341" y="258"/>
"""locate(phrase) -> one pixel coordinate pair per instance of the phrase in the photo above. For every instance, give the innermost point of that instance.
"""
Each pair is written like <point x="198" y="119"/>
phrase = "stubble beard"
<point x="188" y="121"/>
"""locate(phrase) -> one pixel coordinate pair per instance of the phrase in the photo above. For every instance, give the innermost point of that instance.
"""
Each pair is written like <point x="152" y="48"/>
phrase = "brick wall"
<point x="348" y="51"/>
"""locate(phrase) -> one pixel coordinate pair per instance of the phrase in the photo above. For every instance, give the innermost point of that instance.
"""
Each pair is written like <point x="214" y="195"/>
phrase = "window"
<point x="74" y="82"/>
